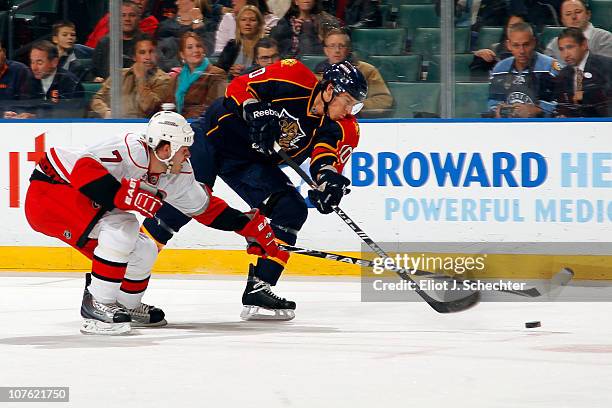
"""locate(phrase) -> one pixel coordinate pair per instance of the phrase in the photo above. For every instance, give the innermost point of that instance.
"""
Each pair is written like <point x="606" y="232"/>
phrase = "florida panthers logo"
<point x="289" y="62"/>
<point x="291" y="131"/>
<point x="518" y="97"/>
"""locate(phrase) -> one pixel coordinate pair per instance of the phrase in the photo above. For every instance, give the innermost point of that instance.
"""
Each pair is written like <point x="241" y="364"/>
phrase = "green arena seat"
<point x="471" y="99"/>
<point x="378" y="41"/>
<point x="385" y="12"/>
<point x="413" y="97"/>
<point x="397" y="3"/>
<point x="462" y="68"/>
<point x="427" y="41"/>
<point x="413" y="16"/>
<point x="311" y="61"/>
<point x="398" y="68"/>
<point x="91" y="88"/>
<point x="40" y="6"/>
<point x="488" y="36"/>
<point x="601" y="14"/>
<point x="548" y="34"/>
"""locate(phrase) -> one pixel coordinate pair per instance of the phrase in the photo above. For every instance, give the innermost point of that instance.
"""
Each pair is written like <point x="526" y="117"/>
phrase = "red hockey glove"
<point x="260" y="237"/>
<point x="137" y="196"/>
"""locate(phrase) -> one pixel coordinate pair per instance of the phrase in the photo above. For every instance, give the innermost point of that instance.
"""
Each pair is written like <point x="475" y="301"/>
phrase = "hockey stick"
<point x="439" y="306"/>
<point x="561" y="278"/>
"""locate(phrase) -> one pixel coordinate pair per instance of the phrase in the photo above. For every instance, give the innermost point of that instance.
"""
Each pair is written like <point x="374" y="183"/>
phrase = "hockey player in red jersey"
<point x="282" y="103"/>
<point x="87" y="198"/>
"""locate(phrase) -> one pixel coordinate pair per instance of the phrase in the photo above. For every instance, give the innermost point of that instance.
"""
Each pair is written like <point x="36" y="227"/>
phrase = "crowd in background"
<point x="185" y="52"/>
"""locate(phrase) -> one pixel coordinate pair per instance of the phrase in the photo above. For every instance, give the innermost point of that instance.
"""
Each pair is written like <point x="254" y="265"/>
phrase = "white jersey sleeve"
<point x="183" y="192"/>
<point x="123" y="157"/>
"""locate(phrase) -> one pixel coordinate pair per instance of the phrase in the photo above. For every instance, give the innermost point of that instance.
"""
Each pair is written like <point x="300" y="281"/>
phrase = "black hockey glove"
<point x="332" y="186"/>
<point x="264" y="129"/>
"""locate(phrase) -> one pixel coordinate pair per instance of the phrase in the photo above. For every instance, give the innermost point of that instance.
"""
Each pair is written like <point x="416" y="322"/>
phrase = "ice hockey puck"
<point x="531" y="325"/>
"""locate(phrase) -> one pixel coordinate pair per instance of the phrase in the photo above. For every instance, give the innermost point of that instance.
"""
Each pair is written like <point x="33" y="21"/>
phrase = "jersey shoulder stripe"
<point x="138" y="151"/>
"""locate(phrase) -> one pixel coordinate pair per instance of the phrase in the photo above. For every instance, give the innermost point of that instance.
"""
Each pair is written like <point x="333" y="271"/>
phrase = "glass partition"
<point x="422" y="58"/>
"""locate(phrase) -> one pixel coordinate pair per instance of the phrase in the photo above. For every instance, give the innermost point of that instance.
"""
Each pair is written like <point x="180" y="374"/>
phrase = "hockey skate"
<point x="260" y="303"/>
<point x="105" y="319"/>
<point x="147" y="316"/>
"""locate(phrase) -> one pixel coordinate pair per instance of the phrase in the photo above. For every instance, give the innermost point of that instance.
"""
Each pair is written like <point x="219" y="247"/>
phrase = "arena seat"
<point x="548" y="34"/>
<point x="413" y="16"/>
<point x="471" y="99"/>
<point x="601" y="14"/>
<point x="462" y="68"/>
<point x="378" y="41"/>
<point x="427" y="41"/>
<point x="311" y="61"/>
<point x="40" y="6"/>
<point x="398" y="68"/>
<point x="488" y="36"/>
<point x="413" y="97"/>
<point x="397" y="3"/>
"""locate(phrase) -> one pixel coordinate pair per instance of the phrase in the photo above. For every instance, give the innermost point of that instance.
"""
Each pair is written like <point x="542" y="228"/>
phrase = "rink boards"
<point x="430" y="181"/>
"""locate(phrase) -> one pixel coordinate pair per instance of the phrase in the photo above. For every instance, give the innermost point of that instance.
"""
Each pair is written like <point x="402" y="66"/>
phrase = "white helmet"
<point x="171" y="127"/>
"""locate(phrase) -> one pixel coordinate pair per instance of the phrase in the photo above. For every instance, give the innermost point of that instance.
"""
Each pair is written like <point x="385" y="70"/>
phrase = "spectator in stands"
<point x="522" y="85"/>
<point x="75" y="58"/>
<point x="15" y="80"/>
<point x="266" y="52"/>
<point x="227" y="27"/>
<point x="130" y="17"/>
<point x="538" y="12"/>
<point x="486" y="58"/>
<point x="191" y="16"/>
<point x="584" y="86"/>
<point x="146" y="23"/>
<point x="357" y="13"/>
<point x="239" y="53"/>
<point x="575" y="13"/>
<point x="279" y="7"/>
<point x="53" y="91"/>
<point x="199" y="82"/>
<point x="302" y="29"/>
<point x="338" y="49"/>
<point x="491" y="13"/>
<point x="144" y="85"/>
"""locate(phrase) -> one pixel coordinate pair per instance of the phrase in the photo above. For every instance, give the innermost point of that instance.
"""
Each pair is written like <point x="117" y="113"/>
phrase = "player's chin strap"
<point x="321" y="89"/>
<point x="168" y="162"/>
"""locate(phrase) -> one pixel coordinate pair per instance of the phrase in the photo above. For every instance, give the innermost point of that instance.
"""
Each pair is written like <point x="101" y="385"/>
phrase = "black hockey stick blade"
<point x="450" y="306"/>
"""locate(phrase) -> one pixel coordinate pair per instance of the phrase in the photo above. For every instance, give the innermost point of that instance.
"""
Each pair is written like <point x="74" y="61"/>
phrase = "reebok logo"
<point x="267" y="112"/>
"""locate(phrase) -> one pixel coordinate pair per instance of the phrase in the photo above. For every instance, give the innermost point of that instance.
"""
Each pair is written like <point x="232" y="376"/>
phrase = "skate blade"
<point x="140" y="325"/>
<point x="92" y="326"/>
<point x="259" y="313"/>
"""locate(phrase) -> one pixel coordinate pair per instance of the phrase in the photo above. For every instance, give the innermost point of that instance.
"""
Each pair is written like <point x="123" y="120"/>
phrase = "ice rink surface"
<point x="338" y="352"/>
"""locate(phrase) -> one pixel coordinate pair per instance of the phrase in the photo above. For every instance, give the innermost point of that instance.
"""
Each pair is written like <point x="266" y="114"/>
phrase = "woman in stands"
<point x="199" y="82"/>
<point x="239" y="54"/>
<point x="191" y="16"/>
<point x="302" y="30"/>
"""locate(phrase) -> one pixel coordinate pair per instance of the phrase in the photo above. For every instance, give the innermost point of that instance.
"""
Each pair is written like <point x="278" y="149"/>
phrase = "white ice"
<point x="338" y="352"/>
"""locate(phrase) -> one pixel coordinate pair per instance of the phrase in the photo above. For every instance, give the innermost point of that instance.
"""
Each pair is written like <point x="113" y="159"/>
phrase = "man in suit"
<point x="584" y="86"/>
<point x="54" y="92"/>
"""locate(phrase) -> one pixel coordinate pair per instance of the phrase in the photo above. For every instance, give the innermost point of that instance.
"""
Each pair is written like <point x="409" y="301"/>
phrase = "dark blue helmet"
<point x="346" y="78"/>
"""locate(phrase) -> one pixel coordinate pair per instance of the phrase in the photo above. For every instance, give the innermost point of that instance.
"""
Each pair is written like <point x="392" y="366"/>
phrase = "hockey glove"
<point x="332" y="186"/>
<point x="264" y="129"/>
<point x="260" y="237"/>
<point x="134" y="195"/>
